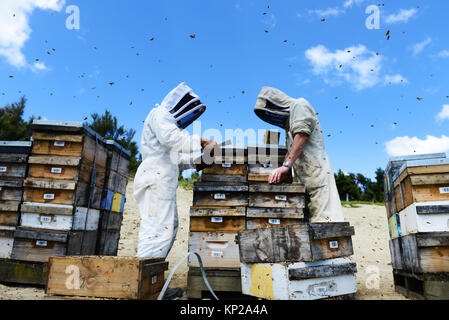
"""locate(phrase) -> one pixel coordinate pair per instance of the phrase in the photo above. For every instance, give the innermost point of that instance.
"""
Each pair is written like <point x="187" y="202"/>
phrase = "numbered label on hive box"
<point x="45" y="219"/>
<point x="281" y="198"/>
<point x="274" y="221"/>
<point x="333" y="244"/>
<point x="49" y="196"/>
<point x="216" y="219"/>
<point x="59" y="144"/>
<point x="217" y="254"/>
<point x="226" y="165"/>
<point x="56" y="170"/>
<point x="41" y="243"/>
<point x="3" y="169"/>
<point x="444" y="190"/>
<point x="219" y="196"/>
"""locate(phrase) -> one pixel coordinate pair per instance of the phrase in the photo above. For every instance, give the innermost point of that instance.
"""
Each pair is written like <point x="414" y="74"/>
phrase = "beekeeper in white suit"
<point x="165" y="148"/>
<point x="307" y="155"/>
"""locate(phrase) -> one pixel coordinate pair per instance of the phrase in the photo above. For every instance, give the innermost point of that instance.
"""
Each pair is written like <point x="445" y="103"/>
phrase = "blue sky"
<point x="366" y="98"/>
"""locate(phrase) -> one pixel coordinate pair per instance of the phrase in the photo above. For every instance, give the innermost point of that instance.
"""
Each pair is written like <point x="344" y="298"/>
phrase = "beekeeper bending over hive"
<point x="165" y="148"/>
<point x="306" y="155"/>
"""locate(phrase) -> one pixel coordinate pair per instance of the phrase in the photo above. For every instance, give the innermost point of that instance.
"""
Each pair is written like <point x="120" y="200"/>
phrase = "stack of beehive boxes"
<point x="62" y="194"/>
<point x="234" y="197"/>
<point x="13" y="168"/>
<point x="417" y="197"/>
<point x="114" y="198"/>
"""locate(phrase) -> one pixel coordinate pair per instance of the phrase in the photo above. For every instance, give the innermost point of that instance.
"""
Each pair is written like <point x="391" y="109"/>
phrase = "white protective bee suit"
<point x="165" y="147"/>
<point x="312" y="168"/>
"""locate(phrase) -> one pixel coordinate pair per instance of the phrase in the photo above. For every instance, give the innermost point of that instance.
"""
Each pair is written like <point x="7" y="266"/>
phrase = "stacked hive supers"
<point x="13" y="168"/>
<point x="417" y="198"/>
<point x="63" y="211"/>
<point x="235" y="196"/>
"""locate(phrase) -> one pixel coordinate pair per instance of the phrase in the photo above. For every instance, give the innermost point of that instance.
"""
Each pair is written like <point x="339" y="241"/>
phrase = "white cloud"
<point x="350" y="3"/>
<point x="444" y="113"/>
<point x="395" y="79"/>
<point x="419" y="47"/>
<point x="401" y="17"/>
<point x="15" y="29"/>
<point x="327" y="12"/>
<point x="402" y="146"/>
<point x="443" y="54"/>
<point x="359" y="67"/>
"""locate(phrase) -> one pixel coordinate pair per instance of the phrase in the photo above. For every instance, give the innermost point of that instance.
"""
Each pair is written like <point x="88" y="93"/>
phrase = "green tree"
<point x="107" y="126"/>
<point x="12" y="125"/>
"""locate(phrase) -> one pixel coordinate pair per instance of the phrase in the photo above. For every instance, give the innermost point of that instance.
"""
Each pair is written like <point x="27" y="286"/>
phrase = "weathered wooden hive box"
<point x="421" y="253"/>
<point x="113" y="202"/>
<point x="275" y="205"/>
<point x="106" y="277"/>
<point x="13" y="170"/>
<point x="421" y="181"/>
<point x="300" y="280"/>
<point x="394" y="166"/>
<point x="298" y="262"/>
<point x="301" y="242"/>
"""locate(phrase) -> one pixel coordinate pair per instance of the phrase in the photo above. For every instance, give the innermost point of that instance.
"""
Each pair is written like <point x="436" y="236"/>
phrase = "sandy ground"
<point x="371" y="249"/>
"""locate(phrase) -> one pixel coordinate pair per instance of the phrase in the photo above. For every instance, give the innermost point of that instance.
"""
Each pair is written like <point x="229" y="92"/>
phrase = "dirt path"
<point x="371" y="249"/>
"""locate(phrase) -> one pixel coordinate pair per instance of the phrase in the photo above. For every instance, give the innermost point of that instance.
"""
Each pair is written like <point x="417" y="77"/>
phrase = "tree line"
<point x="13" y="127"/>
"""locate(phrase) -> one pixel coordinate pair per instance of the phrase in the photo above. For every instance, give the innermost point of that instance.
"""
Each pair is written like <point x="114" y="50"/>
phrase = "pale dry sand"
<point x="371" y="249"/>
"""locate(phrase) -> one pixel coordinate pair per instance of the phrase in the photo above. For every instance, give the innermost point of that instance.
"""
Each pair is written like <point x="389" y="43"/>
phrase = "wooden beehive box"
<point x="260" y="172"/>
<point x="218" y="250"/>
<point x="9" y="213"/>
<point x="394" y="165"/>
<point x="109" y="233"/>
<point x="301" y="242"/>
<point x="275" y="205"/>
<point x="421" y="253"/>
<point x="217" y="218"/>
<point x="394" y="226"/>
<point x="106" y="277"/>
<point x="38" y="245"/>
<point x="421" y="181"/>
<point x="117" y="167"/>
<point x="300" y="280"/>
<point x="425" y="217"/>
<point x="207" y="194"/>
<point x="226" y="172"/>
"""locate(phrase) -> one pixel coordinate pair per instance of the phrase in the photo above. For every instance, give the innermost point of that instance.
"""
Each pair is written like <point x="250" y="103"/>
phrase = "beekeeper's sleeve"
<point x="302" y="118"/>
<point x="171" y="137"/>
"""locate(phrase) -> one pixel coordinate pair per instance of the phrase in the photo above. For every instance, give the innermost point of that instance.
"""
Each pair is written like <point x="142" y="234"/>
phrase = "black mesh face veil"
<point x="187" y="98"/>
<point x="273" y="114"/>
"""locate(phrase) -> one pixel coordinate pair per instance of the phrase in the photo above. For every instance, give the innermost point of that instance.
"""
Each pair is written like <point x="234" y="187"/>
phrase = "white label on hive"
<point x="267" y="165"/>
<point x="444" y="190"/>
<point x="45" y="219"/>
<point x="49" y="196"/>
<point x="217" y="254"/>
<point x="333" y="244"/>
<point x="3" y="169"/>
<point x="281" y="198"/>
<point x="56" y="170"/>
<point x="154" y="280"/>
<point x="1" y="188"/>
<point x="321" y="290"/>
<point x="226" y="165"/>
<point x="41" y="243"/>
<point x="274" y="221"/>
<point x="219" y="196"/>
<point x="216" y="219"/>
<point x="59" y="143"/>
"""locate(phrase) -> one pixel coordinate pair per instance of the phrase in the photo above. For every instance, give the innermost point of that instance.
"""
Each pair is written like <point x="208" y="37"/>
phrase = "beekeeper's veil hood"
<point x="184" y="105"/>
<point x="273" y="106"/>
